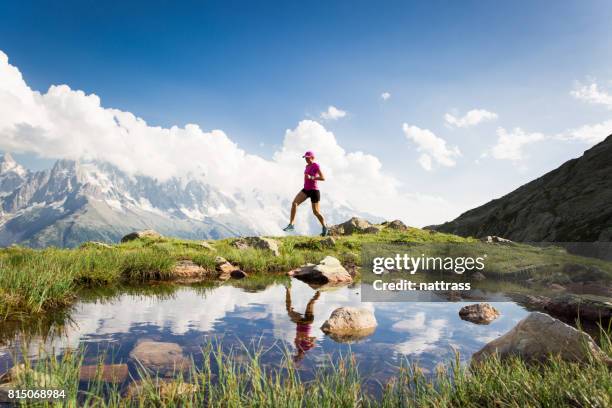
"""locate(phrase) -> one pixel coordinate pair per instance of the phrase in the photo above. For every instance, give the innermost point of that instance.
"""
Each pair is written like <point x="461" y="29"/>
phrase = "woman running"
<point x="312" y="174"/>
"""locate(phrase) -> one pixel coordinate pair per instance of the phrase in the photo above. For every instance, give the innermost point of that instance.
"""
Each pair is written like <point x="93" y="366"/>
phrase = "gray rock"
<point x="479" y="313"/>
<point x="354" y="225"/>
<point x="149" y="233"/>
<point x="350" y="323"/>
<point x="539" y="335"/>
<point x="329" y="270"/>
<point x="328" y="242"/>
<point x="568" y="204"/>
<point x="268" y="244"/>
<point x="396" y="225"/>
<point x="493" y="239"/>
<point x="373" y="229"/>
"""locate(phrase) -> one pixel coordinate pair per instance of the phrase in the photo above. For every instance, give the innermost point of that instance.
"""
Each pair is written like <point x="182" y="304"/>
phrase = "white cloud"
<point x="472" y="118"/>
<point x="590" y="134"/>
<point x="591" y="93"/>
<point x="385" y="96"/>
<point x="431" y="146"/>
<point x="69" y="124"/>
<point x="510" y="144"/>
<point x="333" y="113"/>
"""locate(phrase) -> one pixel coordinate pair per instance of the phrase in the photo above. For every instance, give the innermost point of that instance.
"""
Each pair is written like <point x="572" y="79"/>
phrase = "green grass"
<point x="224" y="380"/>
<point x="39" y="281"/>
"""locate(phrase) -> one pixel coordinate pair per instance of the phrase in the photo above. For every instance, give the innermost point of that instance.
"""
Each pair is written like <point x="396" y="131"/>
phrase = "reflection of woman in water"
<point x="303" y="340"/>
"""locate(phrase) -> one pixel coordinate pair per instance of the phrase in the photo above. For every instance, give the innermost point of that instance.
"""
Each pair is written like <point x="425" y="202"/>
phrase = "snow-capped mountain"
<point x="75" y="202"/>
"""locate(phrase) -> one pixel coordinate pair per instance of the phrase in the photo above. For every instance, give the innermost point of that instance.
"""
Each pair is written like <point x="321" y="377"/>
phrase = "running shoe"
<point x="324" y="231"/>
<point x="289" y="227"/>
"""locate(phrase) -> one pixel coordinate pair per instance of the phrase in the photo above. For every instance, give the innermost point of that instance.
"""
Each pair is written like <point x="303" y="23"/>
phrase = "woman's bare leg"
<point x="317" y="212"/>
<point x="299" y="199"/>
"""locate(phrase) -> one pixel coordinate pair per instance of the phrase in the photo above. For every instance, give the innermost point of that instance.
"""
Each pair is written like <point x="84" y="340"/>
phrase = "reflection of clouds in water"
<point x="189" y="310"/>
<point x="423" y="334"/>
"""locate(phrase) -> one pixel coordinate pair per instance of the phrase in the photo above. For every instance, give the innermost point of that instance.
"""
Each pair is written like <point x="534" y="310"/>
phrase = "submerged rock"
<point x="149" y="233"/>
<point x="329" y="270"/>
<point x="112" y="373"/>
<point x="586" y="307"/>
<point x="538" y="336"/>
<point x="349" y="324"/>
<point x="160" y="357"/>
<point x="479" y="313"/>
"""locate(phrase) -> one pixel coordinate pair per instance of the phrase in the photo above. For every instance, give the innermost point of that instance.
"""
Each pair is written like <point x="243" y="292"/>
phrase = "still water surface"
<point x="427" y="332"/>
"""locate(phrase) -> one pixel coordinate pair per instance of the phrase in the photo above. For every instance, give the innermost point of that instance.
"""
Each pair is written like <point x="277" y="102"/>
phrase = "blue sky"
<point x="255" y="69"/>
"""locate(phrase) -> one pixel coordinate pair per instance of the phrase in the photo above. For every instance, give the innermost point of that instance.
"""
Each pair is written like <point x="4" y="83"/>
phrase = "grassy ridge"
<point x="37" y="281"/>
<point x="226" y="381"/>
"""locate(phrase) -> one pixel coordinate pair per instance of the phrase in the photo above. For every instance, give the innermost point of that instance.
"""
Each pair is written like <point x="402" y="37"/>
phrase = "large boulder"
<point x="148" y="233"/>
<point x="538" y="336"/>
<point x="329" y="270"/>
<point x="479" y="313"/>
<point x="354" y="225"/>
<point x="267" y="244"/>
<point x="586" y="307"/>
<point x="163" y="358"/>
<point x="349" y="324"/>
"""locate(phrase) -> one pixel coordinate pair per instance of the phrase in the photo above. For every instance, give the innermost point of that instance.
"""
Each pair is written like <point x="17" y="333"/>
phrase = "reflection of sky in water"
<point x="428" y="332"/>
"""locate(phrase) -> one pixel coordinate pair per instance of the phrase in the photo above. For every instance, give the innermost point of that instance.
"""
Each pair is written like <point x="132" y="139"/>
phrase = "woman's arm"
<point x="319" y="176"/>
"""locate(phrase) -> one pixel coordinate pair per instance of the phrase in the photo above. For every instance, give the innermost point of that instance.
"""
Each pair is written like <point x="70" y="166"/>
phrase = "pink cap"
<point x="308" y="154"/>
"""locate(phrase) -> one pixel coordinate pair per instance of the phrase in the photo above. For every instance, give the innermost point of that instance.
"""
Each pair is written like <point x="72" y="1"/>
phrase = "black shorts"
<point x="314" y="195"/>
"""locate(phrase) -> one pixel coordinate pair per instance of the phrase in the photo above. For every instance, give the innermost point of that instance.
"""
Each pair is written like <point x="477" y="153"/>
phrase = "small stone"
<point x="206" y="245"/>
<point x="328" y="242"/>
<point x="480" y="313"/>
<point x="492" y="239"/>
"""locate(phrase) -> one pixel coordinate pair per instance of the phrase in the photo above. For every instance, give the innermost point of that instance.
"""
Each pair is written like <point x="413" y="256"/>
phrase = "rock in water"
<point x="113" y="373"/>
<point x="350" y="323"/>
<point x="587" y="307"/>
<point x="163" y="358"/>
<point x="539" y="335"/>
<point x="329" y="270"/>
<point x="188" y="270"/>
<point x="149" y="233"/>
<point x="480" y="313"/>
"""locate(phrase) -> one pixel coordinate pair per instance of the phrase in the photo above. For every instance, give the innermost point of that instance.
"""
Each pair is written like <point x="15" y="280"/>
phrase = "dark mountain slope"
<point x="572" y="203"/>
